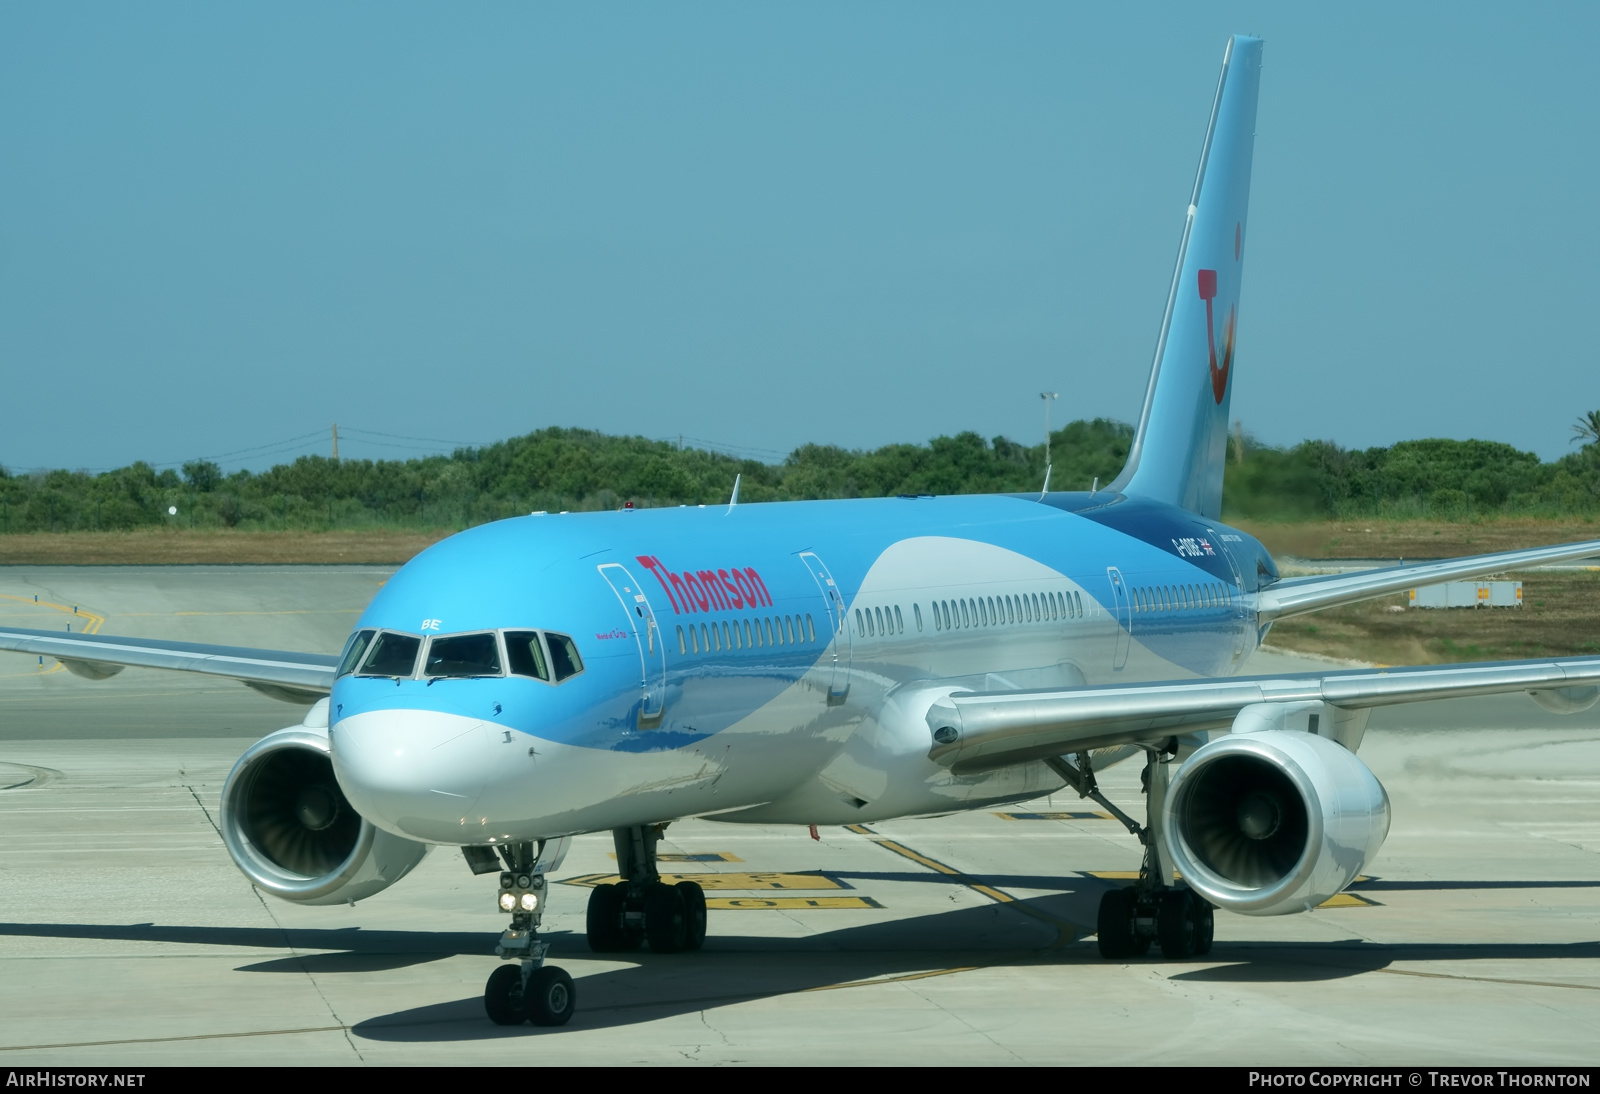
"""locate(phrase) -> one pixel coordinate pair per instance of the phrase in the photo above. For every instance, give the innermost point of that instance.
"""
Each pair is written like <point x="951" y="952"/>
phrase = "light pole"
<point x="1047" y="397"/>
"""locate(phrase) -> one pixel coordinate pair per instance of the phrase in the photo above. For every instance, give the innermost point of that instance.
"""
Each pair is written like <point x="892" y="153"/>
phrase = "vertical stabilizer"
<point x="1178" y="451"/>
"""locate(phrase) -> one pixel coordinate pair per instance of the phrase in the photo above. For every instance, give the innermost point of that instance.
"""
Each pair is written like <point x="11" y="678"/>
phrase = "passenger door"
<point x="839" y="641"/>
<point x="1237" y="616"/>
<point x="1122" y="612"/>
<point x="647" y="636"/>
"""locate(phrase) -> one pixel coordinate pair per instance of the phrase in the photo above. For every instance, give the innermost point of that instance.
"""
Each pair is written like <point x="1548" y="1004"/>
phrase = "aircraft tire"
<point x="1114" y="925"/>
<point x="502" y="996"/>
<point x="1175" y="924"/>
<point x="604" y="919"/>
<point x="549" y="998"/>
<point x="1205" y="925"/>
<point x="666" y="920"/>
<point x="694" y="903"/>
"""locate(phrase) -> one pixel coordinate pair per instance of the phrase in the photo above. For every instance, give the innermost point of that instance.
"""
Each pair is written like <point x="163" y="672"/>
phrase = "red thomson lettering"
<point x="730" y="589"/>
<point x="701" y="598"/>
<point x="654" y="566"/>
<point x="719" y="599"/>
<point x="709" y="590"/>
<point x="682" y="590"/>
<point x="759" y="585"/>
<point x="740" y="580"/>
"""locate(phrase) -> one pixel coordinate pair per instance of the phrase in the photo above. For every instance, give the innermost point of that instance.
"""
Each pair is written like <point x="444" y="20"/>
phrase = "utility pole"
<point x="1047" y="397"/>
<point x="335" y="442"/>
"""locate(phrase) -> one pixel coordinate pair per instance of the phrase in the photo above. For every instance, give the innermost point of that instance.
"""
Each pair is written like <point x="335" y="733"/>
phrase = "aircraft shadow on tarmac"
<point x="736" y="968"/>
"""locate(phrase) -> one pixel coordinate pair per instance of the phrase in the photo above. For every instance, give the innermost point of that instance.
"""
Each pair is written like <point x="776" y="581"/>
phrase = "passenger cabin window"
<point x="392" y="655"/>
<point x="353" y="650"/>
<point x="462" y="655"/>
<point x="525" y="654"/>
<point x="564" y="657"/>
<point x="811" y="631"/>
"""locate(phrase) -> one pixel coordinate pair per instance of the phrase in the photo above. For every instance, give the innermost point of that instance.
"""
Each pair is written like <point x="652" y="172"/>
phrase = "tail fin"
<point x="1177" y="454"/>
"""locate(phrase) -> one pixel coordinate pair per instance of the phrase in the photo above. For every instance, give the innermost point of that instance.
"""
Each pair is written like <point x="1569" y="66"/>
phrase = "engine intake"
<point x="291" y="831"/>
<point x="1275" y="822"/>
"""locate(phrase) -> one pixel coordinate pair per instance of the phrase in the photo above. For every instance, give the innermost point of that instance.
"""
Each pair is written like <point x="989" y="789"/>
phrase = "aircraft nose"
<point x="416" y="773"/>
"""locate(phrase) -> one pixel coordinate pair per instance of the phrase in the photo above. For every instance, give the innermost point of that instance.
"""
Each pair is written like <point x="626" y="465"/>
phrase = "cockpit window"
<point x="392" y="655"/>
<point x="564" y="656"/>
<point x="463" y="655"/>
<point x="525" y="653"/>
<point x="353" y="650"/>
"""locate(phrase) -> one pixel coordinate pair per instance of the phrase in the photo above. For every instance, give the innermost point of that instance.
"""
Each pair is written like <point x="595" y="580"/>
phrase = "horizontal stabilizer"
<point x="1297" y="595"/>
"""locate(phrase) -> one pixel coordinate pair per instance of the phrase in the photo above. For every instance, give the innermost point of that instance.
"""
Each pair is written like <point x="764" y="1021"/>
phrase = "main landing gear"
<point x="1153" y="909"/>
<point x="642" y="907"/>
<point x="529" y="991"/>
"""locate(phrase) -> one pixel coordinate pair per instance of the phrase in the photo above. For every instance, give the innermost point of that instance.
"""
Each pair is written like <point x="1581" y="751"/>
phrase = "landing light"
<point x="530" y="901"/>
<point x="508" y="902"/>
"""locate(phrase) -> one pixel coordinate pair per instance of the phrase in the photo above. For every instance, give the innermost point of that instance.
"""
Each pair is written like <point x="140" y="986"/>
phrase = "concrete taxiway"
<point x="128" y="937"/>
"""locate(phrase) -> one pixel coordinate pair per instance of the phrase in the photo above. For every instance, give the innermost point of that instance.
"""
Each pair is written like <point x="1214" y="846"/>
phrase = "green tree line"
<point x="573" y="469"/>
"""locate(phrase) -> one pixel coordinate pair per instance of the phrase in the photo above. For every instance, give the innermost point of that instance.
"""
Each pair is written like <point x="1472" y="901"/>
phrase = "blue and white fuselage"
<point x="721" y="675"/>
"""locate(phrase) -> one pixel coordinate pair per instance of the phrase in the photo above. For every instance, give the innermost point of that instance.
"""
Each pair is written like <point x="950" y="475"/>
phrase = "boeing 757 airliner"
<point x="831" y="662"/>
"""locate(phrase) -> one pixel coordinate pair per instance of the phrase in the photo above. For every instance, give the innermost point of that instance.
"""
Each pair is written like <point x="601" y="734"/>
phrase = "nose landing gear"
<point x="642" y="907"/>
<point x="529" y="991"/>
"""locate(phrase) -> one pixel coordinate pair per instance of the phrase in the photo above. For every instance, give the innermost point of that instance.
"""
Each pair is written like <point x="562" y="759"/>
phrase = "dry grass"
<point x="174" y="547"/>
<point x="1415" y="539"/>
<point x="1559" y="617"/>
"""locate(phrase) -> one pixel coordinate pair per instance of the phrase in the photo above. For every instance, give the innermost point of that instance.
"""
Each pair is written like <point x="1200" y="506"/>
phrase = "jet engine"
<point x="290" y="830"/>
<point x="1275" y="822"/>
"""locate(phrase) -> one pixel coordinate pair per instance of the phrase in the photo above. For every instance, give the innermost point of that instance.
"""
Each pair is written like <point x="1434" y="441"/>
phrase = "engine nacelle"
<point x="1275" y="822"/>
<point x="290" y="830"/>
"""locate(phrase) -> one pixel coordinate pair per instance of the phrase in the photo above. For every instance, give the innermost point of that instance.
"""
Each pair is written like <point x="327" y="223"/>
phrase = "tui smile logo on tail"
<point x="1219" y="375"/>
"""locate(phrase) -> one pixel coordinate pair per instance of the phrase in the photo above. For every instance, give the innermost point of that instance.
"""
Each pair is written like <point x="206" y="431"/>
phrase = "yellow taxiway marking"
<point x="91" y="625"/>
<point x="1121" y="875"/>
<point x="1338" y="900"/>
<point x="691" y="856"/>
<point x="295" y="611"/>
<point x="1066" y="931"/>
<point x="1080" y="815"/>
<point x="723" y="881"/>
<point x="787" y="903"/>
<point x="873" y="982"/>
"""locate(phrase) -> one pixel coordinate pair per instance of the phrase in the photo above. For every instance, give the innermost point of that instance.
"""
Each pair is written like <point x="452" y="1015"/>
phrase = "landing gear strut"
<point x="1153" y="909"/>
<point x="529" y="991"/>
<point x="642" y="907"/>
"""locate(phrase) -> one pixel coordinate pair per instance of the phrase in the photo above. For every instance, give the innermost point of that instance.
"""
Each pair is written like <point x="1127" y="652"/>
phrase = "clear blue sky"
<point x="224" y="225"/>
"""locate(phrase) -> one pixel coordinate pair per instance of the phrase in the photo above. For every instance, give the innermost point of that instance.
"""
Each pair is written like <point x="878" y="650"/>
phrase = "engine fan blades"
<point x="295" y="814"/>
<point x="1246" y="820"/>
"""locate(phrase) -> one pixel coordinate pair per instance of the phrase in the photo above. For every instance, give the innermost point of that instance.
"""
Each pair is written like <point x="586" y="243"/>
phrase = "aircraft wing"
<point x="292" y="677"/>
<point x="975" y="731"/>
<point x="1296" y="595"/>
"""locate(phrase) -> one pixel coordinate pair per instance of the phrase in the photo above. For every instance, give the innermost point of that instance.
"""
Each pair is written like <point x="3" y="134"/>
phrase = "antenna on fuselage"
<point x="1047" y="396"/>
<point x="735" y="499"/>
